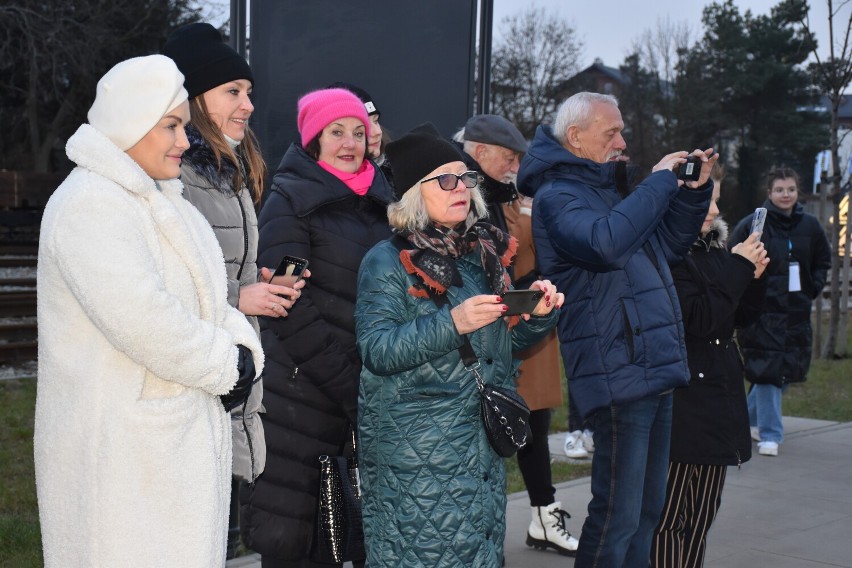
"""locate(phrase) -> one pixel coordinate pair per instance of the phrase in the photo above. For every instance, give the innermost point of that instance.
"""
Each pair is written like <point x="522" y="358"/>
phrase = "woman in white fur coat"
<point x="137" y="343"/>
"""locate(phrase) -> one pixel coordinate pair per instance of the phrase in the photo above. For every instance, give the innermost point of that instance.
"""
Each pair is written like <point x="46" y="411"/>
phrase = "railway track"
<point x="18" y="330"/>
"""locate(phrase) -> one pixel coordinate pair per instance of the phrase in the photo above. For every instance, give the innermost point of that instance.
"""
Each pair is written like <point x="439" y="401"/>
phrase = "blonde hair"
<point x="409" y="213"/>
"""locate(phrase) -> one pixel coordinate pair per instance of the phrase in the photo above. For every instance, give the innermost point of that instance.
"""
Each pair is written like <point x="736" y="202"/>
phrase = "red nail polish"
<point x="547" y="298"/>
<point x="505" y="308"/>
<point x="499" y="299"/>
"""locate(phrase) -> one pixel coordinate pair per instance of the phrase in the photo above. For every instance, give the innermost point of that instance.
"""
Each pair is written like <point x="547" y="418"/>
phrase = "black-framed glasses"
<point x="448" y="182"/>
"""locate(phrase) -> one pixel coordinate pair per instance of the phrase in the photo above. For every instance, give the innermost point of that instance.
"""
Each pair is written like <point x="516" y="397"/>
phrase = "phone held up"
<point x="690" y="170"/>
<point x="758" y="220"/>
<point x="521" y="301"/>
<point x="291" y="266"/>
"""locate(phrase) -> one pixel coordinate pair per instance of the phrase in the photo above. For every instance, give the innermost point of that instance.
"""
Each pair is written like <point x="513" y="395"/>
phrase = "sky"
<point x="609" y="29"/>
<point x="610" y="38"/>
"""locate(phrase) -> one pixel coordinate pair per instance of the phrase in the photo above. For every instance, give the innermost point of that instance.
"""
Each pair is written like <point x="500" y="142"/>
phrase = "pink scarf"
<point x="359" y="182"/>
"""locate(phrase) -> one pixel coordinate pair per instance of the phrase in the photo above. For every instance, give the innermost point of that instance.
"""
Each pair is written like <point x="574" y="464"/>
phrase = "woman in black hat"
<point x="433" y="487"/>
<point x="222" y="174"/>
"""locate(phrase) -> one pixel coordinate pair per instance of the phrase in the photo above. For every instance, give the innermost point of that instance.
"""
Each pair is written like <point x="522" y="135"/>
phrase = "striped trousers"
<point x="693" y="496"/>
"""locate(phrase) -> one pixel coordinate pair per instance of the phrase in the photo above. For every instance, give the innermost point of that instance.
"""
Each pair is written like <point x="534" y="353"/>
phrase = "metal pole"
<point x="238" y="26"/>
<point x="486" y="20"/>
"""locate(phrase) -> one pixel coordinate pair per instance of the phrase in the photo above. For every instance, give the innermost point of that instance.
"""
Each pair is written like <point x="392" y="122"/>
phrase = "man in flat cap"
<point x="493" y="147"/>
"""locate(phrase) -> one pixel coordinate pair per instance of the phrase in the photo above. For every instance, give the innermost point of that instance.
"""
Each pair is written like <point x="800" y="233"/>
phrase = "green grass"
<point x="827" y="395"/>
<point x="20" y="539"/>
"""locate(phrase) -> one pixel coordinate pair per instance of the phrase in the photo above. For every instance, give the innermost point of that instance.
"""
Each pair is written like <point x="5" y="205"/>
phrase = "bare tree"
<point x="537" y="52"/>
<point x="52" y="53"/>
<point x="659" y="48"/>
<point x="833" y="74"/>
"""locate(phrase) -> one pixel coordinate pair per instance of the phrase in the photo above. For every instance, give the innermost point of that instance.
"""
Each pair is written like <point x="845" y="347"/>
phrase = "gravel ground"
<point x="25" y="370"/>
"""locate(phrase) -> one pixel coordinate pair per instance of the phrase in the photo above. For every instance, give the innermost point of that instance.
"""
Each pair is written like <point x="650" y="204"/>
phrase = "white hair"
<point x="410" y="211"/>
<point x="576" y="110"/>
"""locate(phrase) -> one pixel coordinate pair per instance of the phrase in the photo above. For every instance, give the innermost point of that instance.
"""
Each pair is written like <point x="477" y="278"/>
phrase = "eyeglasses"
<point x="788" y="190"/>
<point x="448" y="182"/>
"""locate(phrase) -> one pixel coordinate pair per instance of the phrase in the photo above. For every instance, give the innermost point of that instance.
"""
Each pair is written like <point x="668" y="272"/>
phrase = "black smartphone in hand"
<point x="521" y="301"/>
<point x="291" y="266"/>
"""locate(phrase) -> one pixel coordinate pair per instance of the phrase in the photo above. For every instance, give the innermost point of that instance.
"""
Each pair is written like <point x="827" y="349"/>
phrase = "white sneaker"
<point x="548" y="530"/>
<point x="767" y="448"/>
<point x="755" y="433"/>
<point x="574" y="445"/>
<point x="588" y="441"/>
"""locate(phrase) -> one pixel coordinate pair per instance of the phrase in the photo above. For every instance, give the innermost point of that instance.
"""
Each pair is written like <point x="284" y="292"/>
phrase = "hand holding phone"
<point x="291" y="266"/>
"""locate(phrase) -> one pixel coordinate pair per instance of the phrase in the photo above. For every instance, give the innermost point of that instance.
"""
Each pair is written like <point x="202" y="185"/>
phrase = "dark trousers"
<point x="574" y="422"/>
<point x="534" y="461"/>
<point x="693" y="496"/>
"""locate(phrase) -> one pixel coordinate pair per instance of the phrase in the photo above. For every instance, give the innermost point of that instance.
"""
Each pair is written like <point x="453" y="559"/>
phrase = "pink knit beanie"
<point x="320" y="108"/>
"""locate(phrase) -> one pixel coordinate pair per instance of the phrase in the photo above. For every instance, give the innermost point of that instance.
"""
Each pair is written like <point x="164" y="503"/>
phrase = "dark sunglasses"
<point x="448" y="182"/>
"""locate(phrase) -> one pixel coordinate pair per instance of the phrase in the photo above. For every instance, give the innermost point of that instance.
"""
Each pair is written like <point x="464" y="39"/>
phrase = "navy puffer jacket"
<point x="620" y="328"/>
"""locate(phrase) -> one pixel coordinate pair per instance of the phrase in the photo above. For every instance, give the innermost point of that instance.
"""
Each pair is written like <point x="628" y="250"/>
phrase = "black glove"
<point x="241" y="391"/>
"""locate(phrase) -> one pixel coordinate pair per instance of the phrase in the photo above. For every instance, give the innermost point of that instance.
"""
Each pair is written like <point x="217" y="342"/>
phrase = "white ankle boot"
<point x="548" y="530"/>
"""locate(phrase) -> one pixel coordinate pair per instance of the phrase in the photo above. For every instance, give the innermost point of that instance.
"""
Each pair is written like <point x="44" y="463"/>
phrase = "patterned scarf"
<point x="436" y="248"/>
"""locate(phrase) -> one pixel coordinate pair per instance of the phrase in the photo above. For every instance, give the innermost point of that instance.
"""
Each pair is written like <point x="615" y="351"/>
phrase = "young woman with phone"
<point x="327" y="205"/>
<point x="777" y="347"/>
<point x="433" y="487"/>
<point x="719" y="291"/>
<point x="222" y="174"/>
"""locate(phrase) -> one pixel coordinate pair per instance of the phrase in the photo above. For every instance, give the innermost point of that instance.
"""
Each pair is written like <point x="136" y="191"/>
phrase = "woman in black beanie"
<point x="433" y="488"/>
<point x="222" y="175"/>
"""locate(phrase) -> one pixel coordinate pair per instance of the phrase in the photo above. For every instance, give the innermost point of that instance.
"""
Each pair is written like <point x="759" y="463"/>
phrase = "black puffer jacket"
<point x="777" y="347"/>
<point x="717" y="292"/>
<point x="313" y="368"/>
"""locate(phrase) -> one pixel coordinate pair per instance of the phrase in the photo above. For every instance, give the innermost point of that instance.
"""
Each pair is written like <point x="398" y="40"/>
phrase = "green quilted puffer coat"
<point x="434" y="492"/>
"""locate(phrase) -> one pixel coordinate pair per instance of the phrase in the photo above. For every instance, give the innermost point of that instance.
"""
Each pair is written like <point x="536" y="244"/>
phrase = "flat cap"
<point x="493" y="129"/>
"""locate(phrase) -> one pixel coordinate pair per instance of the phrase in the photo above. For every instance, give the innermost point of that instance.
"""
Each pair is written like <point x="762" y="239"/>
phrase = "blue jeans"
<point x="764" y="411"/>
<point x="629" y="470"/>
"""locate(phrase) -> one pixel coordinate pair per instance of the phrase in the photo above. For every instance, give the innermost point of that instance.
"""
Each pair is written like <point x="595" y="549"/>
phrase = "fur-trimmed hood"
<point x="716" y="237"/>
<point x="202" y="160"/>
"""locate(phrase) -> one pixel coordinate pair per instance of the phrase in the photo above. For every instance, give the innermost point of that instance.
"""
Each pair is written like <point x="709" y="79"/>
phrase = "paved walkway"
<point x="792" y="511"/>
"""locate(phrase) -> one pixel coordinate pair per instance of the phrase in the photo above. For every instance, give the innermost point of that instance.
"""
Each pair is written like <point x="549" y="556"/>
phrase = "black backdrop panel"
<point x="415" y="58"/>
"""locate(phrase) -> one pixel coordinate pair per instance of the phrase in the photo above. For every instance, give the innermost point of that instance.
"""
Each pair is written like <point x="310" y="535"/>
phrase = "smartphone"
<point x="758" y="220"/>
<point x="291" y="266"/>
<point x="521" y="301"/>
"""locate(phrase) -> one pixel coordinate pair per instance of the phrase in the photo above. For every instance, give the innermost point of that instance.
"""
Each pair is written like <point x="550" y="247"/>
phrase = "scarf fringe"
<point x="408" y="264"/>
<point x="511" y="252"/>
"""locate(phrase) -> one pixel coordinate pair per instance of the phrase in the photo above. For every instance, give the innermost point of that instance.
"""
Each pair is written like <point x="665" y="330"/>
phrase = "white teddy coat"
<point x="136" y="340"/>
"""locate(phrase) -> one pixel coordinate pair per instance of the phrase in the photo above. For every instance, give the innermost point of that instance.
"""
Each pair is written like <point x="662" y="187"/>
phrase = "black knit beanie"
<point x="204" y="59"/>
<point x="418" y="153"/>
<point x="365" y="97"/>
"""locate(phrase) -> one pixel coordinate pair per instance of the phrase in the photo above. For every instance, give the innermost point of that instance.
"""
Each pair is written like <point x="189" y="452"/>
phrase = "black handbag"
<point x="339" y="535"/>
<point x="504" y="413"/>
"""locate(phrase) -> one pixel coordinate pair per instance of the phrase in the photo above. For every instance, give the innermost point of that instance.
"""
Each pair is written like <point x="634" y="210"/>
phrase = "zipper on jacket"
<point x="739" y="460"/>
<point x="628" y="330"/>
<point x="250" y="445"/>
<point x="294" y="373"/>
<point x="245" y="236"/>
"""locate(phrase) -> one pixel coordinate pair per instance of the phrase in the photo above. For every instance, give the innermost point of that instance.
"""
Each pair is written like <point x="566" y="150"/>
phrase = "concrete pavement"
<point x="790" y="511"/>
